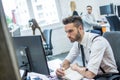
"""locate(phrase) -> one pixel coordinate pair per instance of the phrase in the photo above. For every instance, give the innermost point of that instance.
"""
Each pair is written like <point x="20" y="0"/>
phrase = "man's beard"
<point x="77" y="37"/>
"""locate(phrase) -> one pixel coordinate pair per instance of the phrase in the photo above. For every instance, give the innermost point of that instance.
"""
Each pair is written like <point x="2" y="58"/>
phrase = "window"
<point x="39" y="7"/>
<point x="45" y="10"/>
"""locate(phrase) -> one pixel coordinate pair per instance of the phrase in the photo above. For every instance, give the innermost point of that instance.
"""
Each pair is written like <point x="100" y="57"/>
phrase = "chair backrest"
<point x="114" y="23"/>
<point x="113" y="38"/>
<point x="48" y="34"/>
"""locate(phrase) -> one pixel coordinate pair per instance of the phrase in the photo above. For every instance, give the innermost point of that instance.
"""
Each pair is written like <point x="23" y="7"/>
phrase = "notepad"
<point x="22" y="72"/>
<point x="72" y="75"/>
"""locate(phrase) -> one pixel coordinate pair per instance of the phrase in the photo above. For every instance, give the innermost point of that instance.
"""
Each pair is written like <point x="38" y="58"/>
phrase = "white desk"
<point x="33" y="76"/>
<point x="54" y="64"/>
<point x="107" y="25"/>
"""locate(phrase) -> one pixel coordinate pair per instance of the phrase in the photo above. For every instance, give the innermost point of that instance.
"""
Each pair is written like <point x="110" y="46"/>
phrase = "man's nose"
<point x="68" y="35"/>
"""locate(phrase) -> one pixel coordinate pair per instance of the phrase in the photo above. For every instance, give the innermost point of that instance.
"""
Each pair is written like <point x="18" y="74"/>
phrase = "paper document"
<point x="72" y="75"/>
<point x="54" y="64"/>
<point x="36" y="76"/>
<point x="22" y="72"/>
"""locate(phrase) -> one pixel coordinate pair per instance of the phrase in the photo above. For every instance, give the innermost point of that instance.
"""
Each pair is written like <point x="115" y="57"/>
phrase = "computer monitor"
<point x="31" y="54"/>
<point x="106" y="9"/>
<point x="114" y="22"/>
<point x="8" y="63"/>
<point x="118" y="9"/>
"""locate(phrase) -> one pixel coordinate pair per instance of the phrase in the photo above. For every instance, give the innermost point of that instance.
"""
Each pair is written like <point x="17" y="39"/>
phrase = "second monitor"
<point x="31" y="54"/>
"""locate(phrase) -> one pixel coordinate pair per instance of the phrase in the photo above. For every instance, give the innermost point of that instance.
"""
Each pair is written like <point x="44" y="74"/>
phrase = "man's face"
<point x="89" y="10"/>
<point x="72" y="32"/>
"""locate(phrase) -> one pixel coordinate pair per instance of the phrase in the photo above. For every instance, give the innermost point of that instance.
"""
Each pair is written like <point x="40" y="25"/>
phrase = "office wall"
<point x="81" y="6"/>
<point x="106" y="2"/>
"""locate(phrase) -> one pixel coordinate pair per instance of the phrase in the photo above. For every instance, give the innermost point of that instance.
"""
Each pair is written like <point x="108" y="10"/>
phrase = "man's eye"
<point x="70" y="31"/>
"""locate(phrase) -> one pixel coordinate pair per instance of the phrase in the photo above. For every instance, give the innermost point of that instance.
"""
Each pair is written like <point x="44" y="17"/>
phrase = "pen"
<point x="61" y="67"/>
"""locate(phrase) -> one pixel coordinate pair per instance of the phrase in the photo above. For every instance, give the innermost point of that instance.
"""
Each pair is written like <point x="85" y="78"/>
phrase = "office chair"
<point x="48" y="45"/>
<point x="114" y="23"/>
<point x="113" y="38"/>
<point x="97" y="29"/>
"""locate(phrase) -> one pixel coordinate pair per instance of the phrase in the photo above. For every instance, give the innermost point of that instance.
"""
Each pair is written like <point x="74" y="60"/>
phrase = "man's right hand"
<point x="60" y="72"/>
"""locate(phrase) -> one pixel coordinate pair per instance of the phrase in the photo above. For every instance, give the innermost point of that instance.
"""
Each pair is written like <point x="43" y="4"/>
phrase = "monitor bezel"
<point x="106" y="9"/>
<point x="36" y="51"/>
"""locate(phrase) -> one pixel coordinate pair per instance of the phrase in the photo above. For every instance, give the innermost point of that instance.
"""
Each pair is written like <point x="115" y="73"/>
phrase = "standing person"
<point x="97" y="51"/>
<point x="89" y="19"/>
<point x="73" y="8"/>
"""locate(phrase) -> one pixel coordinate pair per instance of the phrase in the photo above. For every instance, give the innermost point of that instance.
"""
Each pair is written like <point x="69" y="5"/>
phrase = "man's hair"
<point x="89" y="6"/>
<point x="73" y="19"/>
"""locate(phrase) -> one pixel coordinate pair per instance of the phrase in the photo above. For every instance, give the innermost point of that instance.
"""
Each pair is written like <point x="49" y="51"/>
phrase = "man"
<point x="97" y="50"/>
<point x="89" y="19"/>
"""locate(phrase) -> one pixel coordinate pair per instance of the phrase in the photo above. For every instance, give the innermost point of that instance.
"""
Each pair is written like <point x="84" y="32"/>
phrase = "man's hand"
<point x="60" y="72"/>
<point x="83" y="71"/>
<point x="78" y="68"/>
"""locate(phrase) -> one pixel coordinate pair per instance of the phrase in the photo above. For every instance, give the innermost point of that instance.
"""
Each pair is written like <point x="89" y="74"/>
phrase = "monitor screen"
<point x="118" y="8"/>
<point x="31" y="54"/>
<point x="106" y="9"/>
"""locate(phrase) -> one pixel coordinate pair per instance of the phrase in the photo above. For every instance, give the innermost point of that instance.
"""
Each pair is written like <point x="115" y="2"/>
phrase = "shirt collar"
<point x="84" y="40"/>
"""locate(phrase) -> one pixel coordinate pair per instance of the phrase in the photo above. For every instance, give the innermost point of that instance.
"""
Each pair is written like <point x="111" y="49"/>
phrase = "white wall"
<point x="81" y="6"/>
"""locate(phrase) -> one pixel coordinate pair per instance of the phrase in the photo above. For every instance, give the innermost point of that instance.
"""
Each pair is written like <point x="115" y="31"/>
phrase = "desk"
<point x="36" y="76"/>
<point x="52" y="76"/>
<point x="107" y="25"/>
<point x="56" y="65"/>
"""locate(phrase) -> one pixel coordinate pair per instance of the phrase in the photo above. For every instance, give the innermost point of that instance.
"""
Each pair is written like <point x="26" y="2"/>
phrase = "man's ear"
<point x="80" y="27"/>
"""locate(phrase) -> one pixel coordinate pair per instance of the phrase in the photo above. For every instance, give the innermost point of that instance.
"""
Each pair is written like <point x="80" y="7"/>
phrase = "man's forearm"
<point x="66" y="64"/>
<point x="85" y="72"/>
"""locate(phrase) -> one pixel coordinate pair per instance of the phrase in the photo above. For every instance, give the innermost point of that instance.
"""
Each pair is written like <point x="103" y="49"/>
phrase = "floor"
<point x="59" y="56"/>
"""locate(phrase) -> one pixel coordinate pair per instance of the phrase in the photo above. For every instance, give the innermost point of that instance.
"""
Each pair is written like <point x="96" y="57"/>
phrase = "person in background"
<point x="89" y="19"/>
<point x="73" y="8"/>
<point x="97" y="51"/>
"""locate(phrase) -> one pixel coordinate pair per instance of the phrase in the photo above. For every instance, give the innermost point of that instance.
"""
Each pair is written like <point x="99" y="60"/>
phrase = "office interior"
<point x="49" y="15"/>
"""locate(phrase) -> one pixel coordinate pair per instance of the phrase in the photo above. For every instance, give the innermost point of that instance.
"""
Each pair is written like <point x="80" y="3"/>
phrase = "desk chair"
<point x="97" y="29"/>
<point x="114" y="23"/>
<point x="113" y="38"/>
<point x="48" y="45"/>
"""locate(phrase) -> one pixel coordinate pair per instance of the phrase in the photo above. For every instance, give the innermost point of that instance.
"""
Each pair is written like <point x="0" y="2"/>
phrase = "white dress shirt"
<point x="89" y="21"/>
<point x="97" y="52"/>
